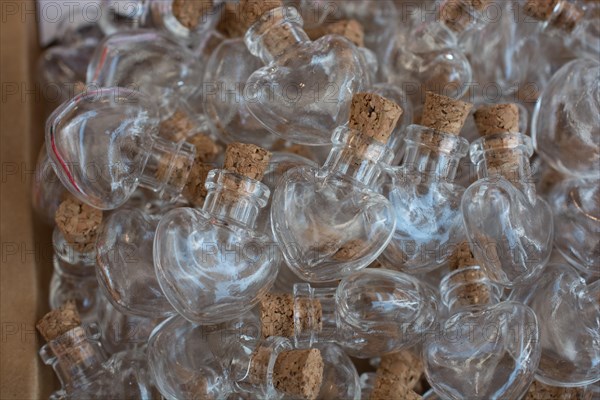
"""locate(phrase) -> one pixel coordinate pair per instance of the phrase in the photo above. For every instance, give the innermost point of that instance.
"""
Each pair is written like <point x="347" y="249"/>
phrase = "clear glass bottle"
<point x="82" y="367"/>
<point x="575" y="204"/>
<point x="47" y="192"/>
<point x="425" y="199"/>
<point x="187" y="21"/>
<point x="371" y="312"/>
<point x="495" y="343"/>
<point x="569" y="325"/>
<point x="305" y="88"/>
<point x="566" y="119"/>
<point x="215" y="361"/>
<point x="125" y="266"/>
<point x="118" y="15"/>
<point x="330" y="221"/>
<point x="212" y="263"/>
<point x="147" y="61"/>
<point x="509" y="227"/>
<point x="103" y="144"/>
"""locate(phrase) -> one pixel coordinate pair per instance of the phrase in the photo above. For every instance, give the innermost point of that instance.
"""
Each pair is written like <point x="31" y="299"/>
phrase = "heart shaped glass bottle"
<point x="330" y="222"/>
<point x="425" y="199"/>
<point x="509" y="227"/>
<point x="212" y="263"/>
<point x="305" y="88"/>
<point x="495" y="344"/>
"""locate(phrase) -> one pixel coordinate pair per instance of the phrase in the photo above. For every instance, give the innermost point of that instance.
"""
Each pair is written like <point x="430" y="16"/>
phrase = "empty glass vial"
<point x="147" y="61"/>
<point x="510" y="228"/>
<point x="103" y="144"/>
<point x="495" y="344"/>
<point x="425" y="199"/>
<point x="212" y="263"/>
<point x="214" y="361"/>
<point x="125" y="266"/>
<point x="330" y="221"/>
<point x="566" y="119"/>
<point x="81" y="365"/>
<point x="74" y="241"/>
<point x="305" y="88"/>
<point x="576" y="23"/>
<point x="575" y="204"/>
<point x="371" y="312"/>
<point x="568" y="310"/>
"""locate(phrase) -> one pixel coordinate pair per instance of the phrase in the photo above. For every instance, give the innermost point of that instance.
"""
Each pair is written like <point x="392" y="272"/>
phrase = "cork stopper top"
<point x="497" y="118"/>
<point x="374" y="115"/>
<point x="79" y="223"/>
<point x="238" y="17"/>
<point x="247" y="159"/>
<point x="444" y="113"/>
<point x="277" y="315"/>
<point x="351" y="29"/>
<point x="539" y="391"/>
<point x="299" y="373"/>
<point x="190" y="12"/>
<point x="59" y="321"/>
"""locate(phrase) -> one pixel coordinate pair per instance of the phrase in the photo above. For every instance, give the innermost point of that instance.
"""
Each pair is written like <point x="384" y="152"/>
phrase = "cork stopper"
<point x="543" y="10"/>
<point x="470" y="290"/>
<point x="462" y="257"/>
<point x="387" y="388"/>
<point x="236" y="18"/>
<point x="299" y="373"/>
<point x="444" y="113"/>
<point x="497" y="118"/>
<point x="190" y="12"/>
<point x="206" y="148"/>
<point x="59" y="321"/>
<point x="540" y="9"/>
<point x="374" y="115"/>
<point x="539" y="391"/>
<point x="79" y="223"/>
<point x="404" y="366"/>
<point x="194" y="190"/>
<point x="277" y="35"/>
<point x="176" y="127"/>
<point x="247" y="159"/>
<point x="277" y="315"/>
<point x="351" y="29"/>
<point x="458" y="14"/>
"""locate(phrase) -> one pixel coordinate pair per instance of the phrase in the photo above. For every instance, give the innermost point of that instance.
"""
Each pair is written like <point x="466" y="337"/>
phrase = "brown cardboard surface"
<point x="26" y="253"/>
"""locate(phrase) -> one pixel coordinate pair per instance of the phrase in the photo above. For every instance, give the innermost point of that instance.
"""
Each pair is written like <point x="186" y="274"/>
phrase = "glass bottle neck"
<point x="70" y="260"/>
<point x="234" y="198"/>
<point x="314" y="315"/>
<point x="77" y="359"/>
<point x="468" y="289"/>
<point x="274" y="33"/>
<point x="432" y="155"/>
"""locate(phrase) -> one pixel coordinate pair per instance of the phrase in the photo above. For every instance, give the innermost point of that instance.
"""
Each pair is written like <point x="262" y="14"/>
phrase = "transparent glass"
<point x="102" y="144"/>
<point x="340" y="378"/>
<point x="46" y="190"/>
<point x="494" y="344"/>
<point x="330" y="221"/>
<point x="425" y="56"/>
<point x="576" y="204"/>
<point x="120" y="15"/>
<point x="510" y="228"/>
<point x="224" y="95"/>
<point x="213" y="264"/>
<point x="125" y="266"/>
<point x="426" y="201"/>
<point x="149" y="62"/>
<point x="566" y="119"/>
<point x="569" y="314"/>
<point x="73" y="278"/>
<point x="304" y="90"/>
<point x="163" y="18"/>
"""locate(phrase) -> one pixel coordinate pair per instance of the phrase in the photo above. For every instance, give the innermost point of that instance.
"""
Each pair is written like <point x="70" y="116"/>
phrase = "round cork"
<point x="497" y="118"/>
<point x="59" y="321"/>
<point x="247" y="159"/>
<point x="190" y="12"/>
<point x="404" y="366"/>
<point x="236" y="18"/>
<point x="277" y="315"/>
<point x="374" y="115"/>
<point x="444" y="113"/>
<point x="79" y="223"/>
<point x="539" y="391"/>
<point x="299" y="373"/>
<point x="351" y="29"/>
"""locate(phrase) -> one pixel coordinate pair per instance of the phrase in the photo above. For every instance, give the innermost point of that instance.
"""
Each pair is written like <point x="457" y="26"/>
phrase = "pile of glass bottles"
<point x="246" y="194"/>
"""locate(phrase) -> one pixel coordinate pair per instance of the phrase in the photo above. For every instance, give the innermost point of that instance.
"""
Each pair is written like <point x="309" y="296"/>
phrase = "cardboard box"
<point x="26" y="255"/>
